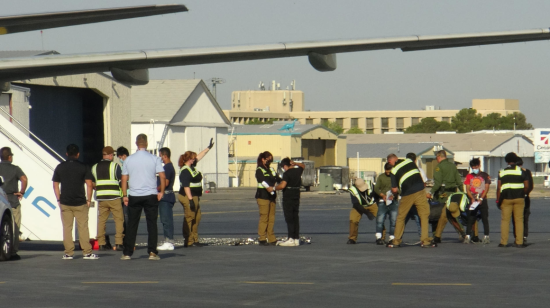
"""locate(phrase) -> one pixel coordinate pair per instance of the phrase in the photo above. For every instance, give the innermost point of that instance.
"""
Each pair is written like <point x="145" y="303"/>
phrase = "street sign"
<point x="542" y="145"/>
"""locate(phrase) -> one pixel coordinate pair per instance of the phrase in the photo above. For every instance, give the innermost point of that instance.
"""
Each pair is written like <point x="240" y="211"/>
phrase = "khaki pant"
<point x="355" y="217"/>
<point x="191" y="221"/>
<point x="509" y="207"/>
<point x="105" y="208"/>
<point x="442" y="222"/>
<point x="423" y="208"/>
<point x="267" y="220"/>
<point x="455" y="213"/>
<point x="68" y="214"/>
<point x="17" y="216"/>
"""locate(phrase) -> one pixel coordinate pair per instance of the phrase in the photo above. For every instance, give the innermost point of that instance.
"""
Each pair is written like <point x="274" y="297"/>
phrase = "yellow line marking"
<point x="118" y="282"/>
<point x="2" y="282"/>
<point x="430" y="284"/>
<point x="274" y="282"/>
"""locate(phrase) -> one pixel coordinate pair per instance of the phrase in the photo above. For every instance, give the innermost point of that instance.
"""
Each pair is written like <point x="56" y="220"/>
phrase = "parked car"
<point x="9" y="241"/>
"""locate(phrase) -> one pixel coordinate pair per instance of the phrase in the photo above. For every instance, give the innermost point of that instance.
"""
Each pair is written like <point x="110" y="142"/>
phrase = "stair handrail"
<point x="31" y="133"/>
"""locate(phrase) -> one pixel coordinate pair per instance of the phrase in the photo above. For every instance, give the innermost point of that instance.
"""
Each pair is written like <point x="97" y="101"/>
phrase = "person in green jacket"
<point x="387" y="204"/>
<point x="447" y="180"/>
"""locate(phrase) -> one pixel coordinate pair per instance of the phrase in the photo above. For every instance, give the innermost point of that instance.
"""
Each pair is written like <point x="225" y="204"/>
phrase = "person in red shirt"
<point x="477" y="186"/>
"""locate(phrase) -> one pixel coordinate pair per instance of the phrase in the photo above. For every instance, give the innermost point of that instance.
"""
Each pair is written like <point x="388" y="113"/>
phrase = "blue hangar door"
<point x="61" y="116"/>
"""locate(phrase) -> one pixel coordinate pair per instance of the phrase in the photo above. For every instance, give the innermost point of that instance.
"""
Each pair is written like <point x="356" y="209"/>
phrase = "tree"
<point x="355" y="130"/>
<point x="429" y="125"/>
<point x="333" y="126"/>
<point x="257" y="121"/>
<point x="466" y="120"/>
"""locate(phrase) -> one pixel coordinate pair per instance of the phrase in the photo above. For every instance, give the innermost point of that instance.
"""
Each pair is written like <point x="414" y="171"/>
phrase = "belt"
<point x="167" y="192"/>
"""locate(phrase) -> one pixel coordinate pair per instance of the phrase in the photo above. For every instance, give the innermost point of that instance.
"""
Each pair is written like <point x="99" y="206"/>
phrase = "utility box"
<point x="326" y="182"/>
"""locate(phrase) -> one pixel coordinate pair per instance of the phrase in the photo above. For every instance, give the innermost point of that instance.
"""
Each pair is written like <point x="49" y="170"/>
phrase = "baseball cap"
<point x="108" y="150"/>
<point x="361" y="185"/>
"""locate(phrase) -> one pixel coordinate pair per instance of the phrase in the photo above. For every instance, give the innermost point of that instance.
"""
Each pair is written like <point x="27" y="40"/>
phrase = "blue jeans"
<point x="167" y="219"/>
<point x="383" y="211"/>
<point x="413" y="214"/>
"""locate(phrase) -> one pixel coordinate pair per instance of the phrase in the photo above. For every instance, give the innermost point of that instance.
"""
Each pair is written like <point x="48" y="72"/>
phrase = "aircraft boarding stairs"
<point x="41" y="215"/>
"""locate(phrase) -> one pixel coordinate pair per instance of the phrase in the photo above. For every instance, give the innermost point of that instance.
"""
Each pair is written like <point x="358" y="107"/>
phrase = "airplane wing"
<point x="22" y="23"/>
<point x="131" y="67"/>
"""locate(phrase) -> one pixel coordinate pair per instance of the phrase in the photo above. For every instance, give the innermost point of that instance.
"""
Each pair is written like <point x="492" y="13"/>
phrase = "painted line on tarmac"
<point x="118" y="282"/>
<point x="274" y="282"/>
<point x="429" y="284"/>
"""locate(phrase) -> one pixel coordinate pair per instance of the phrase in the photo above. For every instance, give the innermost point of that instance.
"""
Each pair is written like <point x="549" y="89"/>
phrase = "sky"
<point x="374" y="80"/>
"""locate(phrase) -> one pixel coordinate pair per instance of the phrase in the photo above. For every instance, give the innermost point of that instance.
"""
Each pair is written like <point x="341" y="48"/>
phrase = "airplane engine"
<point x="322" y="63"/>
<point x="138" y="77"/>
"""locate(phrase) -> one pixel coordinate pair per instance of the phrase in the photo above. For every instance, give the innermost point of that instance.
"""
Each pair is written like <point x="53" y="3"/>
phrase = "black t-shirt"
<point x="72" y="175"/>
<point x="293" y="179"/>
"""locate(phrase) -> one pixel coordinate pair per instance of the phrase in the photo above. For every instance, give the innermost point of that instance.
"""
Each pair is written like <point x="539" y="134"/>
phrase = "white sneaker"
<point x="297" y="242"/>
<point x="67" y="257"/>
<point x="91" y="256"/>
<point x="166" y="246"/>
<point x="466" y="240"/>
<point x="486" y="240"/>
<point x="289" y="243"/>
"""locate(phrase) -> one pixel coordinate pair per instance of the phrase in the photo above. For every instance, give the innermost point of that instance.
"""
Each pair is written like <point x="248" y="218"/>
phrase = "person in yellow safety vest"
<point x="267" y="179"/>
<point x="107" y="175"/>
<point x="407" y="180"/>
<point x="190" y="193"/>
<point x="512" y="187"/>
<point x="364" y="202"/>
<point x="459" y="214"/>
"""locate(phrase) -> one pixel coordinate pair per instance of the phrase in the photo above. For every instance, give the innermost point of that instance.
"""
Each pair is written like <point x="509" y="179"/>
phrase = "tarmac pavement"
<point x="326" y="273"/>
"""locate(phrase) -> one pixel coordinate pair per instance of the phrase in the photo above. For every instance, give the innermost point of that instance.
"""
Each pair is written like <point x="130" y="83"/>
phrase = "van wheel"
<point x="6" y="239"/>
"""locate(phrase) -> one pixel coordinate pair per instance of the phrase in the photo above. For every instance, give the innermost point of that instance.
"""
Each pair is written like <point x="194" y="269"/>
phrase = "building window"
<point x="309" y="121"/>
<point x="370" y="123"/>
<point x="385" y="122"/>
<point x="446" y="119"/>
<point x="354" y="122"/>
<point x="415" y="121"/>
<point x="369" y="131"/>
<point x="385" y="130"/>
<point x="324" y="120"/>
<point x="399" y="123"/>
<point x="340" y="121"/>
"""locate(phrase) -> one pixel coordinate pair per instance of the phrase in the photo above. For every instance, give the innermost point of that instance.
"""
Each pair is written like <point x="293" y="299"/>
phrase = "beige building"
<point x="312" y="142"/>
<point x="289" y="104"/>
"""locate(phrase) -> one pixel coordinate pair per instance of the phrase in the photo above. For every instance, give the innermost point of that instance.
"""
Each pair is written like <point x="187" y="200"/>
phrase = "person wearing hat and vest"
<point x="512" y="187"/>
<point x="189" y="195"/>
<point x="267" y="179"/>
<point x="407" y="180"/>
<point x="363" y="201"/>
<point x="107" y="175"/>
<point x="459" y="214"/>
<point x="447" y="180"/>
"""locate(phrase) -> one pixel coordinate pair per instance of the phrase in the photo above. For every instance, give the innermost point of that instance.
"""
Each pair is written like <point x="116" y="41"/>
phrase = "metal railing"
<point x="33" y="135"/>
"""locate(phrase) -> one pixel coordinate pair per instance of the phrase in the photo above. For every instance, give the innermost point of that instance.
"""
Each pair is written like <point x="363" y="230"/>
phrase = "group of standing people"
<point x="144" y="183"/>
<point x="402" y="185"/>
